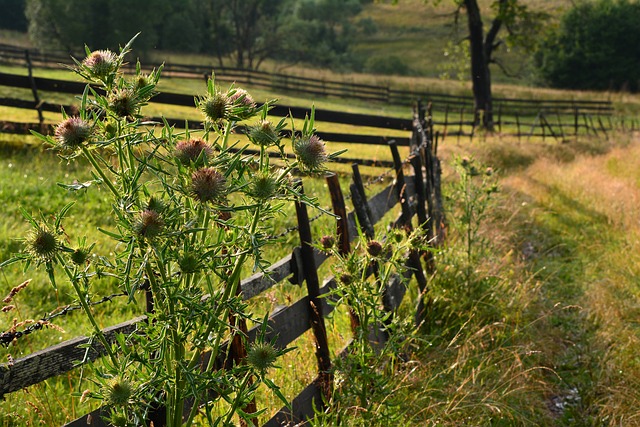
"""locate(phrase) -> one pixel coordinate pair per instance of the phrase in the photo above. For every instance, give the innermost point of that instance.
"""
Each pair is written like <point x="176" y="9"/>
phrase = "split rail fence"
<point x="42" y="87"/>
<point x="420" y="205"/>
<point x="456" y="114"/>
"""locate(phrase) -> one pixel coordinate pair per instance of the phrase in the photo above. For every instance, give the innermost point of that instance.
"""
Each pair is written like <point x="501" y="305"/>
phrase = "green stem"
<point x="100" y="172"/>
<point x="87" y="310"/>
<point x="230" y="289"/>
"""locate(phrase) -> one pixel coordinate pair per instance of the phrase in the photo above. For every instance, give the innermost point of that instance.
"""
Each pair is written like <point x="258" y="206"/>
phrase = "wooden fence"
<point x="559" y="119"/>
<point x="419" y="197"/>
<point x="39" y="88"/>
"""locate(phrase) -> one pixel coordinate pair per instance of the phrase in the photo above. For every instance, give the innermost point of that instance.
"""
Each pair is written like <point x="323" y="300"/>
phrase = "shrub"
<point x="595" y="47"/>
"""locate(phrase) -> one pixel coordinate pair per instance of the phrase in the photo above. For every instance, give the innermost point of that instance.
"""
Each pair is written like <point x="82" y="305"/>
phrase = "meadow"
<point x="532" y="321"/>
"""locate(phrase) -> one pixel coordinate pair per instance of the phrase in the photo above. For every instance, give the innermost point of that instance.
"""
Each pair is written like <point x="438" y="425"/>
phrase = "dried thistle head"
<point x="149" y="224"/>
<point x="327" y="242"/>
<point x="72" y="132"/>
<point x="208" y="185"/>
<point x="374" y="248"/>
<point x="193" y="151"/>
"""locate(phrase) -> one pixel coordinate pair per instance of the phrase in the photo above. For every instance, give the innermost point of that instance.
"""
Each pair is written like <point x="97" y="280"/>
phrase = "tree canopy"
<point x="248" y="31"/>
<point x="596" y="46"/>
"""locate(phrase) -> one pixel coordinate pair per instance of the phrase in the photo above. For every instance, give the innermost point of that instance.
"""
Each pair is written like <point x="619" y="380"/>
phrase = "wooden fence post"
<point x="344" y="247"/>
<point x="310" y="271"/>
<point x="34" y="90"/>
<point x="405" y="222"/>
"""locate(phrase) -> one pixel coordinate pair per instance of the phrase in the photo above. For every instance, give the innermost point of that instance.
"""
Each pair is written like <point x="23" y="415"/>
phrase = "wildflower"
<point x="346" y="279"/>
<point x="149" y="224"/>
<point x="208" y="185"/>
<point x="118" y="392"/>
<point x="123" y="103"/>
<point x="42" y="244"/>
<point x="327" y="242"/>
<point x="189" y="262"/>
<point x="263" y="134"/>
<point x="263" y="187"/>
<point x="262" y="355"/>
<point x="101" y="63"/>
<point x="215" y="107"/>
<point x="80" y="256"/>
<point x="194" y="150"/>
<point x="141" y="81"/>
<point x="374" y="248"/>
<point x="72" y="132"/>
<point x="242" y="98"/>
<point x="311" y="151"/>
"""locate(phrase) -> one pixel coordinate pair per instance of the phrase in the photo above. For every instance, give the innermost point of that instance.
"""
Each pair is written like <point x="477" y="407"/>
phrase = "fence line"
<point x="334" y="88"/>
<point x="560" y="124"/>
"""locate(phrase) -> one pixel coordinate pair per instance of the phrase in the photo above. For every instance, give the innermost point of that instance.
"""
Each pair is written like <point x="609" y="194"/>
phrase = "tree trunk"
<point x="480" y="58"/>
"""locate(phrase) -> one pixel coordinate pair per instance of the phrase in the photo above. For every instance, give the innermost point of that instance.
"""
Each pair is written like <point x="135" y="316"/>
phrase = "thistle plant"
<point x="365" y="388"/>
<point x="189" y="210"/>
<point x="472" y="196"/>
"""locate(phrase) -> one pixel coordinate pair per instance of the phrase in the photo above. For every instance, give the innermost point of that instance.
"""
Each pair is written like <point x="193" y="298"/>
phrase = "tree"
<point x="12" y="16"/>
<point x="507" y="16"/>
<point x="596" y="46"/>
<point x="320" y="32"/>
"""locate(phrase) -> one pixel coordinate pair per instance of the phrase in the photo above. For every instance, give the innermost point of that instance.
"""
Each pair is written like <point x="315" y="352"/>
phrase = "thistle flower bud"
<point x="263" y="187"/>
<point x="118" y="392"/>
<point x="208" y="185"/>
<point x="189" y="262"/>
<point x="72" y="132"/>
<point x="80" y="256"/>
<point x="311" y="152"/>
<point x="327" y="242"/>
<point x="149" y="224"/>
<point x="122" y="103"/>
<point x="346" y="279"/>
<point x="374" y="248"/>
<point x="42" y="244"/>
<point x="155" y="204"/>
<point x="215" y="107"/>
<point x="101" y="63"/>
<point x="263" y="134"/>
<point x="194" y="150"/>
<point x="261" y="355"/>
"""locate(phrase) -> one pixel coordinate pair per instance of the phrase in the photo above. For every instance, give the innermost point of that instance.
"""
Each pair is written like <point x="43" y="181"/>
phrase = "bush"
<point x="387" y="65"/>
<point x="595" y="47"/>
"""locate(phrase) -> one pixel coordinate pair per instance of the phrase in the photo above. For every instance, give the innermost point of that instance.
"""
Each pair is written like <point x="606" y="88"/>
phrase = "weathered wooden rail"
<point x="418" y="195"/>
<point x="45" y="85"/>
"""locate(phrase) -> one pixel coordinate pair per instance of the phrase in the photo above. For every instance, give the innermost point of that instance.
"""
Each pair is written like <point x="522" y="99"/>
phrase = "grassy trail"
<point x="577" y="231"/>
